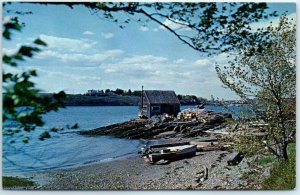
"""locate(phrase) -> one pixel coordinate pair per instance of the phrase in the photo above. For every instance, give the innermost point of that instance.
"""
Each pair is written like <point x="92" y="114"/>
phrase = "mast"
<point x="142" y="96"/>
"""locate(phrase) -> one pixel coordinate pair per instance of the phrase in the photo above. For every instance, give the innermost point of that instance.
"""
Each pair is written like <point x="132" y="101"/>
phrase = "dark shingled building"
<point x="156" y="102"/>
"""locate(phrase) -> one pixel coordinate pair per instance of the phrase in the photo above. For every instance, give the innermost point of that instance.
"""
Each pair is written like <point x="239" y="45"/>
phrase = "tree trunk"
<point x="282" y="150"/>
<point x="282" y="145"/>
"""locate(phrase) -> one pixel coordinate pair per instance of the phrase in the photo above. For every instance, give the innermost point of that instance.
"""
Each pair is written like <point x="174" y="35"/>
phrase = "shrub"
<point x="9" y="182"/>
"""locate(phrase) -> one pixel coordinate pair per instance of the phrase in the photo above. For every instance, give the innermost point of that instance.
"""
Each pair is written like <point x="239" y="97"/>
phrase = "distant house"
<point x="93" y="92"/>
<point x="156" y="102"/>
<point x="110" y="93"/>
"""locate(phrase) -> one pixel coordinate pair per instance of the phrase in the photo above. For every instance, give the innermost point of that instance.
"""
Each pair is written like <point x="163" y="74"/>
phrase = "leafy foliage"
<point x="248" y="145"/>
<point x="266" y="71"/>
<point x="22" y="105"/>
<point x="9" y="25"/>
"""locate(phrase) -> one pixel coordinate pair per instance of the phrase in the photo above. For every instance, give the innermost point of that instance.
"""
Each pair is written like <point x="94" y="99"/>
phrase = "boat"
<point x="171" y="153"/>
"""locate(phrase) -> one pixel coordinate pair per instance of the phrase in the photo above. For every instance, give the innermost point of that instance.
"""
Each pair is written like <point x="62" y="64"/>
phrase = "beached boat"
<point x="171" y="153"/>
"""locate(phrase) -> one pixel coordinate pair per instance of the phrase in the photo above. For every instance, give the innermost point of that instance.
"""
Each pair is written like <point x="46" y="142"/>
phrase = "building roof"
<point x="161" y="97"/>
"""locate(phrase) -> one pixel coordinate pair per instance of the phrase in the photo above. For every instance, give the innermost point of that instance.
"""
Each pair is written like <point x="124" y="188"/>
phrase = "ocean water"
<point x="69" y="149"/>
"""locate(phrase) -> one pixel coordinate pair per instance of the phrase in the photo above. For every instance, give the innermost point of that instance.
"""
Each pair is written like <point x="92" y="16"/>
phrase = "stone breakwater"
<point x="188" y="123"/>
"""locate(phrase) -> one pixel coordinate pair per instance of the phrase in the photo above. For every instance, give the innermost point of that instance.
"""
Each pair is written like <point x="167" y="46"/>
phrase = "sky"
<point x="87" y="52"/>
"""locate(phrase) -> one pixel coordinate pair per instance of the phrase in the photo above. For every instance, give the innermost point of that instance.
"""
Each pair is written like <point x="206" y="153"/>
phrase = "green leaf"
<point x="6" y="34"/>
<point x="40" y="42"/>
<point x="54" y="129"/>
<point x="25" y="140"/>
<point x="32" y="72"/>
<point x="28" y="51"/>
<point x="44" y="135"/>
<point x="75" y="126"/>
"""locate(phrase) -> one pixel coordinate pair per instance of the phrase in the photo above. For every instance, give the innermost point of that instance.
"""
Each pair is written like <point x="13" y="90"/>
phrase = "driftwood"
<point x="234" y="158"/>
<point x="202" y="175"/>
<point x="184" y="123"/>
<point x="257" y="134"/>
<point x="261" y="125"/>
<point x="169" y="144"/>
<point x="203" y="144"/>
<point x="206" y="139"/>
<point x="209" y="148"/>
<point x="217" y="132"/>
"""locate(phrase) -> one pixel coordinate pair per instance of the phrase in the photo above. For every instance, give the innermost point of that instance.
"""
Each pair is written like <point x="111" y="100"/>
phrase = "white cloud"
<point x="85" y="68"/>
<point x="47" y="53"/>
<point x="88" y="33"/>
<point x="202" y="63"/>
<point x="179" y="61"/>
<point x="63" y="44"/>
<point x="144" y="28"/>
<point x="155" y="72"/>
<point x="107" y="35"/>
<point x="74" y="77"/>
<point x="144" y="59"/>
<point x="275" y="22"/>
<point x="175" y="25"/>
<point x="113" y="52"/>
<point x="137" y="66"/>
<point x="223" y="58"/>
<point x="78" y="57"/>
<point x="11" y="69"/>
<point x="9" y="51"/>
<point x="111" y="70"/>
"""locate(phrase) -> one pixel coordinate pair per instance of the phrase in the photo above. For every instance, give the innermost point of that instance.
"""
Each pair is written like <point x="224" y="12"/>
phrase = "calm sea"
<point x="68" y="148"/>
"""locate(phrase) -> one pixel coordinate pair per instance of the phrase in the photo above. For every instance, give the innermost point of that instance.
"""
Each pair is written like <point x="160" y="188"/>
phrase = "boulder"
<point x="215" y="119"/>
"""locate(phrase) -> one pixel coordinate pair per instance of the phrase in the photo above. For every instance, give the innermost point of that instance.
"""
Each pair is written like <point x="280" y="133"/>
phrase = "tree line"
<point x="184" y="99"/>
<point x="118" y="91"/>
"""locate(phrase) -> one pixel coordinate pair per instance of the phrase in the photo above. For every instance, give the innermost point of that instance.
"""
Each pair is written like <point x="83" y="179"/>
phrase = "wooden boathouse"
<point x="157" y="102"/>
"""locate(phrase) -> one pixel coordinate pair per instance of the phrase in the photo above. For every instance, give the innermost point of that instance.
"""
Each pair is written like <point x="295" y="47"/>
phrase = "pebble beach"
<point x="133" y="174"/>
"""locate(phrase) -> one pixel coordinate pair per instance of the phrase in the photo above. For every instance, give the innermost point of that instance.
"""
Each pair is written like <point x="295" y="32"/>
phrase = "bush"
<point x="9" y="182"/>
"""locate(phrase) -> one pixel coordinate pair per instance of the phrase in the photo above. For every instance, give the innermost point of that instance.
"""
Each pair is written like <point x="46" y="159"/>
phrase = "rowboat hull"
<point x="175" y="153"/>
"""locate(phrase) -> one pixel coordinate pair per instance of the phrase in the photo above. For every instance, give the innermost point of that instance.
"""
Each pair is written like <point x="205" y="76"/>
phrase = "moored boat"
<point x="171" y="153"/>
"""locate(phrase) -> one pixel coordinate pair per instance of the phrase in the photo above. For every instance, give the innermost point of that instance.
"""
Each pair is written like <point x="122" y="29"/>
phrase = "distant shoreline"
<point x="113" y="100"/>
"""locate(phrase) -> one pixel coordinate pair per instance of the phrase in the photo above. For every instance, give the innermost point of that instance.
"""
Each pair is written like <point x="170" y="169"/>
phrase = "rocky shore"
<point x="213" y="167"/>
<point x="188" y="123"/>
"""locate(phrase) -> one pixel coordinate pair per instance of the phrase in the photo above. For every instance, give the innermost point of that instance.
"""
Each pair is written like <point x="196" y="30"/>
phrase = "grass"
<point x="230" y="121"/>
<point x="9" y="182"/>
<point x="283" y="174"/>
<point x="266" y="160"/>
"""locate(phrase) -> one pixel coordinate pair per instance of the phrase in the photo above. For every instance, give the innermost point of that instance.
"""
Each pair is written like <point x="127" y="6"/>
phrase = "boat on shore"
<point x="169" y="153"/>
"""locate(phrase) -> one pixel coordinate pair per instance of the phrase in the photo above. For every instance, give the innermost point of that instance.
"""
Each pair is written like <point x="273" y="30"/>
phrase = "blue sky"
<point x="86" y="52"/>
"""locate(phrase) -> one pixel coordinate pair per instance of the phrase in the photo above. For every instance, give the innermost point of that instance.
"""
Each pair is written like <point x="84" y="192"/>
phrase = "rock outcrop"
<point x="188" y="123"/>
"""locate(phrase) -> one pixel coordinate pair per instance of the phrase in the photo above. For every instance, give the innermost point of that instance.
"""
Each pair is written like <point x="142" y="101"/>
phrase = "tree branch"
<point x="168" y="28"/>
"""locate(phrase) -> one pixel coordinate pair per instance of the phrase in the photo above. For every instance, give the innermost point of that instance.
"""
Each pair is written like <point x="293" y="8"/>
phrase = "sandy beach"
<point x="133" y="174"/>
